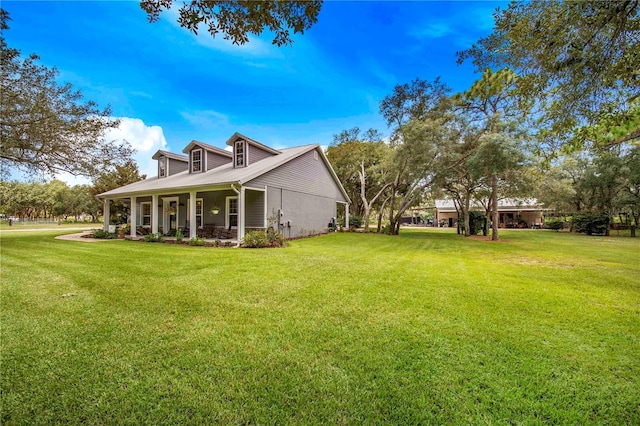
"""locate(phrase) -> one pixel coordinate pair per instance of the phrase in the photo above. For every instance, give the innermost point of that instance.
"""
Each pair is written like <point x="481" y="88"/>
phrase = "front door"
<point x="170" y="216"/>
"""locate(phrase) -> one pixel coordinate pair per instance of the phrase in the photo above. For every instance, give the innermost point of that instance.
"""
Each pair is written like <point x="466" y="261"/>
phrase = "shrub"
<point x="275" y="238"/>
<point x="591" y="223"/>
<point x="153" y="238"/>
<point x="555" y="223"/>
<point x="355" y="221"/>
<point x="476" y="221"/>
<point x="255" y="239"/>
<point x="125" y="229"/>
<point x="196" y="241"/>
<point x="102" y="234"/>
<point x="179" y="236"/>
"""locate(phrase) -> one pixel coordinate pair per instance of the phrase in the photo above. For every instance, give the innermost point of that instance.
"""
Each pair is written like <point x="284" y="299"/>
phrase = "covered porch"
<point x="213" y="213"/>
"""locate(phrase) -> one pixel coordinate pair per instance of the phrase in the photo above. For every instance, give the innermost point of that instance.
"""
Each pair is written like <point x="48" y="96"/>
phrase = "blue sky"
<point x="169" y="86"/>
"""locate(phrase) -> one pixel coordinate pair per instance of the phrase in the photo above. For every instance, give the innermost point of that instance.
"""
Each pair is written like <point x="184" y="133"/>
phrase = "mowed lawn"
<point x="424" y="328"/>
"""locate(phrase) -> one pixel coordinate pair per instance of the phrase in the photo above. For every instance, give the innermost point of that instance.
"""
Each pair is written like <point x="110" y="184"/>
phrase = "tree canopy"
<point x="236" y="19"/>
<point x="578" y="61"/>
<point x="49" y="128"/>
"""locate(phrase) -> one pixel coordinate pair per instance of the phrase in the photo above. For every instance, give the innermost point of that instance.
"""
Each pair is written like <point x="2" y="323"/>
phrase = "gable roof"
<point x="206" y="147"/>
<point x="237" y="136"/>
<point x="220" y="176"/>
<point x="171" y="155"/>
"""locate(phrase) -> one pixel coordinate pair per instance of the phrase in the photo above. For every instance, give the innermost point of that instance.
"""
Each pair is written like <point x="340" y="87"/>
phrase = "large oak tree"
<point x="578" y="62"/>
<point x="235" y="20"/>
<point x="48" y="128"/>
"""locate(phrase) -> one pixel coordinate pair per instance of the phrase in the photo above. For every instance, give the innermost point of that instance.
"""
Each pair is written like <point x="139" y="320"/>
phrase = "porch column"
<point x="241" y="214"/>
<point x="346" y="215"/>
<point x="133" y="216"/>
<point x="192" y="214"/>
<point x="106" y="212"/>
<point x="154" y="214"/>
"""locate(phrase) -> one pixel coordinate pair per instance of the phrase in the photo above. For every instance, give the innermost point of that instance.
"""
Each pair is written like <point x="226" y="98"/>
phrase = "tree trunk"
<point x="367" y="217"/>
<point x="465" y="213"/>
<point x="380" y="214"/>
<point x="392" y="201"/>
<point x="494" y="211"/>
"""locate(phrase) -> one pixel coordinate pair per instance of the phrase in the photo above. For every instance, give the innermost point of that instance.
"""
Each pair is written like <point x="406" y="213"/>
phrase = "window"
<point x="198" y="211"/>
<point x="162" y="166"/>
<point x="239" y="153"/>
<point x="232" y="212"/>
<point x="145" y="213"/>
<point x="196" y="160"/>
<point x="315" y="155"/>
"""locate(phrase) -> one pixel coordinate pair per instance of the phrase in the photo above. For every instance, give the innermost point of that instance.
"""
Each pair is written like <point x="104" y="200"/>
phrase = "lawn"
<point x="424" y="328"/>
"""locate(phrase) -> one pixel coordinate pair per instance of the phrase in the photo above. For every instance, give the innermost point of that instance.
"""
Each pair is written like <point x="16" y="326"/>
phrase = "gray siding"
<point x="303" y="174"/>
<point x="274" y="201"/>
<point x="256" y="154"/>
<point x="208" y="200"/>
<point x="215" y="160"/>
<point x="176" y="166"/>
<point x="307" y="214"/>
<point x="254" y="212"/>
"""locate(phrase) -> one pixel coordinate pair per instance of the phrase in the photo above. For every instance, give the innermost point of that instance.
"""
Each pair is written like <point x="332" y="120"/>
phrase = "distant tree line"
<point x="57" y="200"/>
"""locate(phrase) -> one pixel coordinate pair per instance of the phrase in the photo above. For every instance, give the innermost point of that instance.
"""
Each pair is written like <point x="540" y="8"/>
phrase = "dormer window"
<point x="196" y="160"/>
<point x="239" y="154"/>
<point x="162" y="166"/>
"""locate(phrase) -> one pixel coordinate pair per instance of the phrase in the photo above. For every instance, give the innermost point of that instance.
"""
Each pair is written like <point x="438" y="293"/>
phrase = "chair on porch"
<point x="186" y="229"/>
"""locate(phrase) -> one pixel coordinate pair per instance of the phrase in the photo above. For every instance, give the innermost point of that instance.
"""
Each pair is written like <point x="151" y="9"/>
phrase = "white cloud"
<point x="145" y="139"/>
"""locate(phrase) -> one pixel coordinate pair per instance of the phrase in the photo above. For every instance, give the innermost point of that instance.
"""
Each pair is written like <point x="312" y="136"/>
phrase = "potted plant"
<point x="171" y="209"/>
<point x="214" y="210"/>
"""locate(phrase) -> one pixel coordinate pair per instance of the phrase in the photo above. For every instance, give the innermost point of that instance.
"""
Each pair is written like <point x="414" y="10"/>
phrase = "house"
<point x="252" y="186"/>
<point x="513" y="213"/>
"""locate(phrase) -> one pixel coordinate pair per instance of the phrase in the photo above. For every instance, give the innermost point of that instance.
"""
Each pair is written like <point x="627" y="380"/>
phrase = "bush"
<point x="179" y="236"/>
<point x="102" y="234"/>
<point x="261" y="239"/>
<point x="255" y="239"/>
<point x="196" y="241"/>
<point x="355" y="221"/>
<point x="591" y="223"/>
<point x="556" y="224"/>
<point x="153" y="238"/>
<point x="275" y="238"/>
<point x="476" y="221"/>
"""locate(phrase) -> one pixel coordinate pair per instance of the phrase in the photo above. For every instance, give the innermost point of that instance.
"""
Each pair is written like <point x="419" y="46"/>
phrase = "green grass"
<point x="425" y="328"/>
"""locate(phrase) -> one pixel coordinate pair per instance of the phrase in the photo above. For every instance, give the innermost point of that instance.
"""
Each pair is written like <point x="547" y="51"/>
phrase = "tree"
<point x="457" y="179"/>
<point x="119" y="176"/>
<point x="419" y="114"/>
<point x="49" y="128"/>
<point x="629" y="198"/>
<point x="491" y="102"/>
<point x="235" y="19"/>
<point x="417" y="161"/>
<point x="359" y="161"/>
<point x="577" y="60"/>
